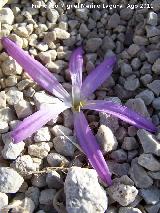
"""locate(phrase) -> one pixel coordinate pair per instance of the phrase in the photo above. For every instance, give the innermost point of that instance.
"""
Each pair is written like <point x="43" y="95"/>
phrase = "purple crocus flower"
<point x="78" y="101"/>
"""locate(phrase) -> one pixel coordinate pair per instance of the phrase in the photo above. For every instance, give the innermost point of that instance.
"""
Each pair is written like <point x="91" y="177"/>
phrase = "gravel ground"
<point x="47" y="173"/>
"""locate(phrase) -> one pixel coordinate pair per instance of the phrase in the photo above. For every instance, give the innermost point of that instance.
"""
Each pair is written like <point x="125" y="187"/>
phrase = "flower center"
<point x="78" y="105"/>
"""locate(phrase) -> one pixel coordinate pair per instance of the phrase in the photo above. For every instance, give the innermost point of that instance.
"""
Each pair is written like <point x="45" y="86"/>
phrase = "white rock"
<point x="28" y="205"/>
<point x="11" y="67"/>
<point x="129" y="210"/>
<point x="23" y="109"/>
<point x="10" y="180"/>
<point x="10" y="150"/>
<point x="39" y="150"/>
<point x="3" y="200"/>
<point x="13" y="96"/>
<point x="61" y="34"/>
<point x="106" y="139"/>
<point x="42" y="134"/>
<point x="80" y="187"/>
<point x="2" y="99"/>
<point x="6" y="15"/>
<point x="2" y="3"/>
<point x="123" y="194"/>
<point x="24" y="164"/>
<point x="3" y="127"/>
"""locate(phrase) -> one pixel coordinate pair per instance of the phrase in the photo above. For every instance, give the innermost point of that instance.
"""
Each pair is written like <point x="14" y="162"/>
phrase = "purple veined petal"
<point x="90" y="147"/>
<point x="122" y="112"/>
<point x="97" y="76"/>
<point x="75" y="68"/>
<point x="35" y="121"/>
<point x="35" y="69"/>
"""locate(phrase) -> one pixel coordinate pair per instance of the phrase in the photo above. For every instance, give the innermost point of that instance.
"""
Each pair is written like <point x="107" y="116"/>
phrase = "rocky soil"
<point x="47" y="173"/>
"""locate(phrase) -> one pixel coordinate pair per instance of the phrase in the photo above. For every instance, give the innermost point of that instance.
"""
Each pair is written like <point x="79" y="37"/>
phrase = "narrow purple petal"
<point x="75" y="68"/>
<point x="35" y="69"/>
<point x="97" y="76"/>
<point x="35" y="121"/>
<point x="90" y="147"/>
<point x="122" y="112"/>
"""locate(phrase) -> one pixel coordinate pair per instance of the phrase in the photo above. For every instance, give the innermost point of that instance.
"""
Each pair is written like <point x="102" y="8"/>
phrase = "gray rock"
<point x="59" y="130"/>
<point x="7" y="114"/>
<point x="137" y="104"/>
<point x="149" y="162"/>
<point x="55" y="159"/>
<point x="149" y="143"/>
<point x="153" y="208"/>
<point x="132" y="154"/>
<point x="123" y="194"/>
<point x="155" y="175"/>
<point x="3" y="200"/>
<point x="52" y="15"/>
<point x="140" y="40"/>
<point x="129" y="210"/>
<point x="33" y="193"/>
<point x="152" y="18"/>
<point x="64" y="146"/>
<point x="139" y="175"/>
<point x="106" y="139"/>
<point x="46" y="196"/>
<point x="109" y="120"/>
<point x="108" y="43"/>
<point x="80" y="187"/>
<point x="151" y="195"/>
<point x="146" y="68"/>
<point x="146" y="79"/>
<point x="156" y="67"/>
<point x="11" y="67"/>
<point x="147" y="96"/>
<point x="155" y="86"/>
<point x="4" y="127"/>
<point x="126" y="70"/>
<point x="39" y="180"/>
<point x="131" y="84"/>
<point x="114" y="21"/>
<point x="132" y="131"/>
<point x="133" y="50"/>
<point x="152" y="56"/>
<point x="119" y="155"/>
<point x="126" y="13"/>
<point x="130" y="143"/>
<point x="23" y="109"/>
<point x="39" y="150"/>
<point x="42" y="135"/>
<point x="54" y="180"/>
<point x="152" y="31"/>
<point x="136" y="63"/>
<point x="68" y="118"/>
<point x="93" y="44"/>
<point x="6" y="16"/>
<point x="82" y="13"/>
<point x="10" y="180"/>
<point x="13" y="96"/>
<point x="118" y="169"/>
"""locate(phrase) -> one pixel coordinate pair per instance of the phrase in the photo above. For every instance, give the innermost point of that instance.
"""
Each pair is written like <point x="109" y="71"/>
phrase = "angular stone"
<point x="39" y="150"/>
<point x="42" y="135"/>
<point x="151" y="195"/>
<point x="46" y="196"/>
<point x="80" y="187"/>
<point x="139" y="175"/>
<point x="61" y="34"/>
<point x="10" y="180"/>
<point x="149" y="162"/>
<point x="6" y="16"/>
<point x="13" y="96"/>
<point x="55" y="159"/>
<point x="93" y="44"/>
<point x="149" y="142"/>
<point x="114" y="21"/>
<point x="147" y="96"/>
<point x="106" y="139"/>
<point x="23" y="109"/>
<point x="130" y="143"/>
<point x="156" y="67"/>
<point x="54" y="180"/>
<point x="2" y="99"/>
<point x="129" y="210"/>
<point x="59" y="130"/>
<point x="155" y="86"/>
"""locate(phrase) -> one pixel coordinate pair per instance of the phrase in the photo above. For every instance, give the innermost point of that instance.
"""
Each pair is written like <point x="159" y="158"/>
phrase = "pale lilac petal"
<point x="90" y="147"/>
<point x="75" y="68"/>
<point x="122" y="112"/>
<point x="35" y="69"/>
<point x="97" y="76"/>
<point x="35" y="121"/>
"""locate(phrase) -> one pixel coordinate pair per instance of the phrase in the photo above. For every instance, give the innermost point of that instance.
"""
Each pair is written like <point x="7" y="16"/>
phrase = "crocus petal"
<point x="90" y="147"/>
<point x="75" y="68"/>
<point x="35" y="69"/>
<point x="35" y="121"/>
<point x="97" y="76"/>
<point x="122" y="112"/>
